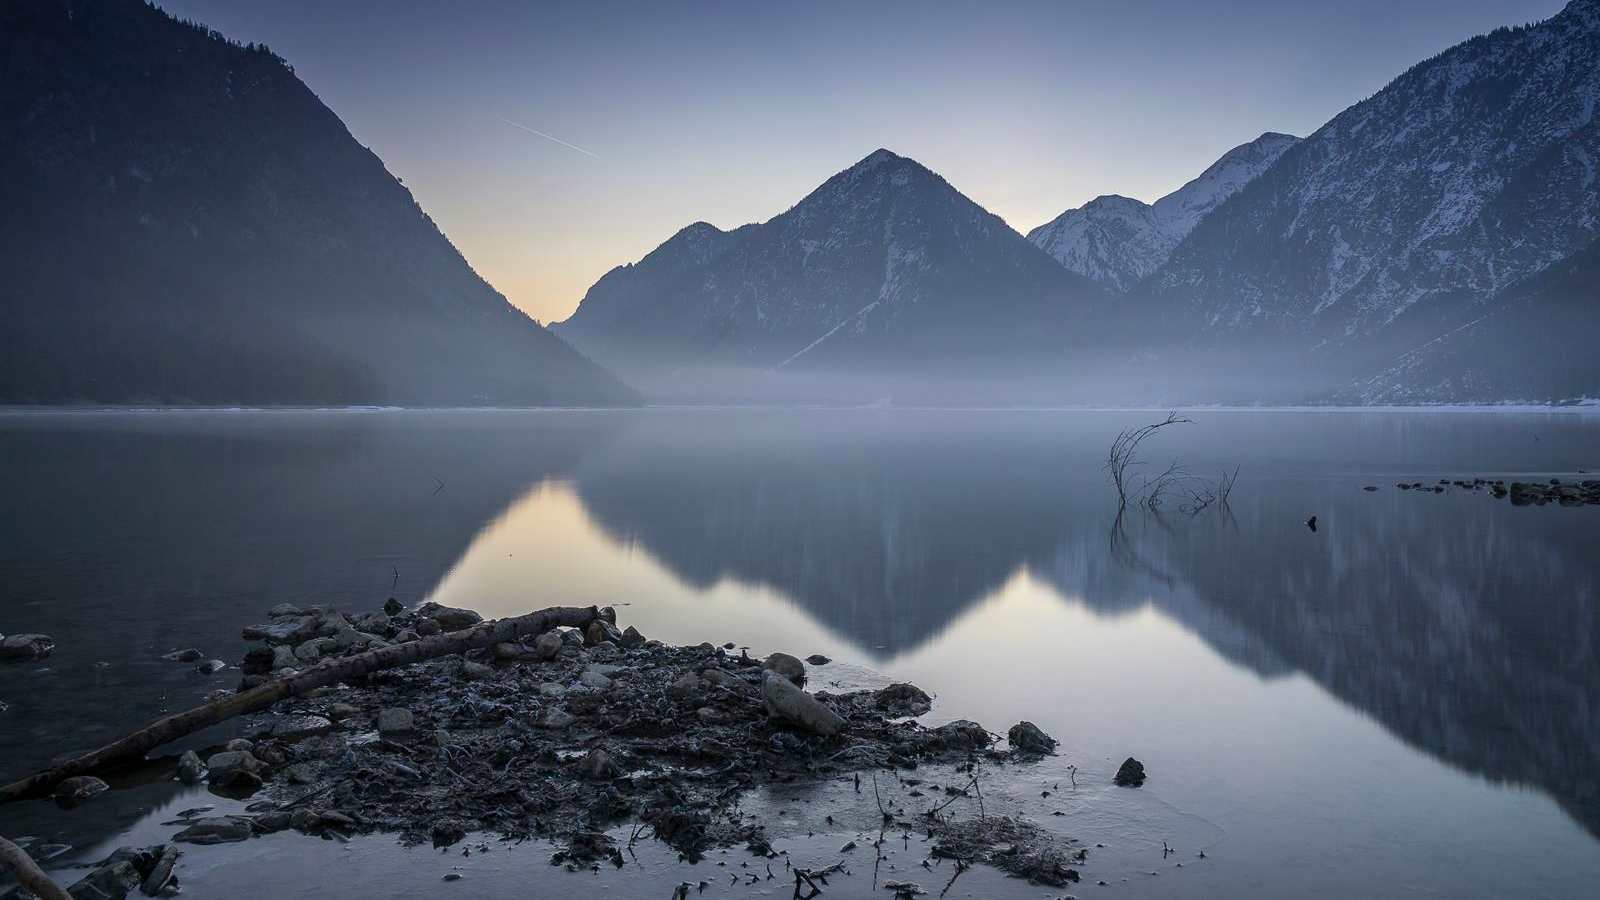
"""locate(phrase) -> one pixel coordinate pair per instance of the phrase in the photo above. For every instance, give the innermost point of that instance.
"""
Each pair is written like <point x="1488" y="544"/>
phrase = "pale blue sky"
<point x="730" y="112"/>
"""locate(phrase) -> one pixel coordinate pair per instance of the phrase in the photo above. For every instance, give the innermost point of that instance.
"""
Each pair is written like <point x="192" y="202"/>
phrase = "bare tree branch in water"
<point x="1174" y="487"/>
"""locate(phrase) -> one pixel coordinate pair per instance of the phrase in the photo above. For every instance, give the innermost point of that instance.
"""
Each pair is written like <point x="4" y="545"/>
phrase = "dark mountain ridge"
<point x="184" y="221"/>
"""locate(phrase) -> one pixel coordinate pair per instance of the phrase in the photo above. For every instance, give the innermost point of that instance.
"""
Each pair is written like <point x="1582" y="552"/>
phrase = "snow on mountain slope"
<point x="1118" y="241"/>
<point x="1405" y="214"/>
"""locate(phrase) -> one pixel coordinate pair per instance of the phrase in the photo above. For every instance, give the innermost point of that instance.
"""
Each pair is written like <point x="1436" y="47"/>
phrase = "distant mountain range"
<point x="183" y="221"/>
<point x="1118" y="241"/>
<point x="1433" y="243"/>
<point x="882" y="269"/>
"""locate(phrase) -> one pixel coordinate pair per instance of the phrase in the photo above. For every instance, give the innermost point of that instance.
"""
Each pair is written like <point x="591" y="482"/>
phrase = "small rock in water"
<point x="218" y="830"/>
<point x="26" y="646"/>
<point x="184" y="656"/>
<point x="75" y="790"/>
<point x="787" y="666"/>
<point x="1028" y="738"/>
<point x="211" y="667"/>
<point x="903" y="700"/>
<point x="393" y="607"/>
<point x="1131" y="774"/>
<point x="114" y="879"/>
<point x="395" y="721"/>
<point x="817" y="659"/>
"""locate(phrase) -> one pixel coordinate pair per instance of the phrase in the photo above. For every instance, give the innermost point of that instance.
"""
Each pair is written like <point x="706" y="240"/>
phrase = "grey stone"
<point x="551" y="689"/>
<point x="788" y="703"/>
<point x="289" y="631"/>
<point x="341" y="711"/>
<point x="26" y="646"/>
<point x="396" y="720"/>
<point x="233" y="766"/>
<point x="1028" y="738"/>
<point x="601" y="631"/>
<point x="184" y="656"/>
<point x="475" y="671"/>
<point x="1130" y="773"/>
<point x="686" y="687"/>
<point x="190" y="768"/>
<point x="556" y="718"/>
<point x="902" y="700"/>
<point x="239" y="744"/>
<point x="112" y="881"/>
<point x="599" y="765"/>
<point x="75" y="790"/>
<point x="817" y="659"/>
<point x="295" y="727"/>
<point x="548" y="646"/>
<point x="429" y="628"/>
<point x="450" y="618"/>
<point x="631" y="637"/>
<point x="788" y="666"/>
<point x="596" y="680"/>
<point x="216" y="830"/>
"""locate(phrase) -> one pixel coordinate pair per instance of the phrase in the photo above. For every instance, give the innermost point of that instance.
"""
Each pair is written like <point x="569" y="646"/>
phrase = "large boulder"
<point x="788" y="703"/>
<point x="112" y="881"/>
<point x="788" y="666"/>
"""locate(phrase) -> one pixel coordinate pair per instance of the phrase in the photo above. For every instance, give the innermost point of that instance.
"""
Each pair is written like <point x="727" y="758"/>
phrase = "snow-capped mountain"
<point x="884" y="268"/>
<point x="1407" y="214"/>
<point x="1118" y="241"/>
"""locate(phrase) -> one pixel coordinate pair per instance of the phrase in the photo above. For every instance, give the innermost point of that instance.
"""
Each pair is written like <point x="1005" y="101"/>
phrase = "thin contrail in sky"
<point x="550" y="138"/>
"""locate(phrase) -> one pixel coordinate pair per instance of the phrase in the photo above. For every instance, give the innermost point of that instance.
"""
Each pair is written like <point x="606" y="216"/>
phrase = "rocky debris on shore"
<point x="148" y="871"/>
<point x="1130" y="773"/>
<point x="25" y="646"/>
<point x="1584" y="492"/>
<point x="563" y="737"/>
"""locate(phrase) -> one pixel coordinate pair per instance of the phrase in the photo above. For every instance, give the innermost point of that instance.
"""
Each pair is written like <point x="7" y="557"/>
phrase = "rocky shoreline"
<point x="590" y="740"/>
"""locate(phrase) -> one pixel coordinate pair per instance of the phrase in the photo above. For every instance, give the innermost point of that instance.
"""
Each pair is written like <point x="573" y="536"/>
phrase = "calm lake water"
<point x="1404" y="702"/>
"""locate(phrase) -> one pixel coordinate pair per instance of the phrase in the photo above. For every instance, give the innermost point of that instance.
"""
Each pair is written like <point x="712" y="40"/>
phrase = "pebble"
<point x="395" y="720"/>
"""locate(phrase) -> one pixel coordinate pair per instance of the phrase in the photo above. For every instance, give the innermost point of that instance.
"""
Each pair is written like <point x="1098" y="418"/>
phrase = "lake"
<point x="1402" y="702"/>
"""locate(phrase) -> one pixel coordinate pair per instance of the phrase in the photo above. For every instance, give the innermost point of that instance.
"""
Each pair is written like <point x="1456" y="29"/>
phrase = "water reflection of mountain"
<point x="128" y="535"/>
<point x="1466" y="627"/>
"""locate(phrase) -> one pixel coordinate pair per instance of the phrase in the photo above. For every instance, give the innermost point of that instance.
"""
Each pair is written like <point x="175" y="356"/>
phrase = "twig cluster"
<point x="1175" y="487"/>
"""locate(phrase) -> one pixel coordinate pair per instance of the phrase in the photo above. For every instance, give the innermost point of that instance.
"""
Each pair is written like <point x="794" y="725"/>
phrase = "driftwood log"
<point x="327" y="672"/>
<point x="29" y="875"/>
